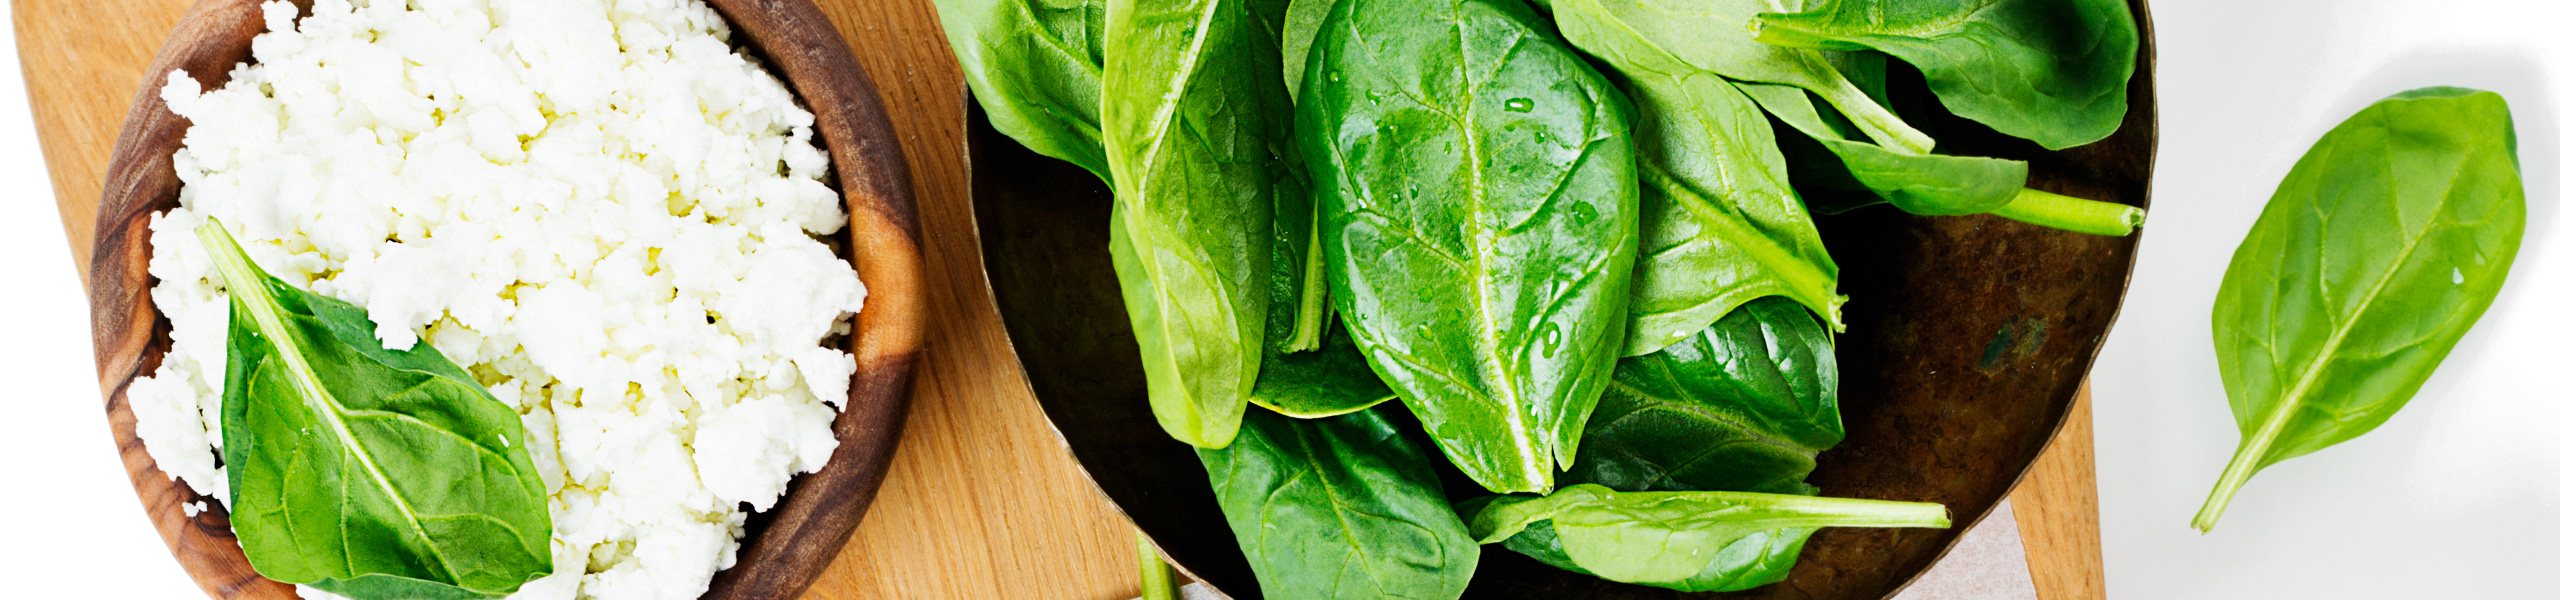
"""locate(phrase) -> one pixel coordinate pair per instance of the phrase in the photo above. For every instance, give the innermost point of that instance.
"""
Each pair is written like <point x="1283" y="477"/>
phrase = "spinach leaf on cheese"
<point x="1721" y="225"/>
<point x="1478" y="197"/>
<point x="2382" y="246"/>
<point x="1340" y="507"/>
<point x="1195" y="124"/>
<point x="2051" y="71"/>
<point x="363" y="471"/>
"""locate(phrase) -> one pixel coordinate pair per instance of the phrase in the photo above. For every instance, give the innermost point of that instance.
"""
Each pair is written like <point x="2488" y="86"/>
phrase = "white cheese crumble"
<point x="598" y="207"/>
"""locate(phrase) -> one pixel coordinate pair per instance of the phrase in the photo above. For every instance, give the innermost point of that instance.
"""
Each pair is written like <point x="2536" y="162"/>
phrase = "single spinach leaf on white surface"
<point x="1035" y="66"/>
<point x="2382" y="246"/>
<point x="1690" y="541"/>
<point x="1743" y="406"/>
<point x="1928" y="184"/>
<point x="2051" y="71"/>
<point x="1195" y="125"/>
<point x="1340" y="507"/>
<point x="1721" y="225"/>
<point x="1478" y="195"/>
<point x="363" y="471"/>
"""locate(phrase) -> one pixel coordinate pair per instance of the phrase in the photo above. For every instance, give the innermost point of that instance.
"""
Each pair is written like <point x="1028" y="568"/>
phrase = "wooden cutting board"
<point x="983" y="500"/>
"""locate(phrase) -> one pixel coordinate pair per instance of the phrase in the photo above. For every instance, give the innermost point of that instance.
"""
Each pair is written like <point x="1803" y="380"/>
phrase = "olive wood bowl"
<point x="1967" y="343"/>
<point x="787" y="546"/>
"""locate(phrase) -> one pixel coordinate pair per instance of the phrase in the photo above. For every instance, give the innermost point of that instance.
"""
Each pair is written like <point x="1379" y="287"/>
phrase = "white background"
<point x="2457" y="497"/>
<point x="70" y="526"/>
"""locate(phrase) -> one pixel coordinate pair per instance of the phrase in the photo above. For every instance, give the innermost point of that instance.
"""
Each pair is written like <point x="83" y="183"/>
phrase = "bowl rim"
<point x="787" y="546"/>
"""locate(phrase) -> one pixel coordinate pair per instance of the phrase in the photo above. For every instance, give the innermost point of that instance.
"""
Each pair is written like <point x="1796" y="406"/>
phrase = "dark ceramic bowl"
<point x="1968" y="340"/>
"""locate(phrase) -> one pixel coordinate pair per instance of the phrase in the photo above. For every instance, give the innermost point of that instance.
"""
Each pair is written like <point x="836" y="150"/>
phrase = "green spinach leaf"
<point x="1755" y="560"/>
<point x="2380" y="249"/>
<point x="1720" y="224"/>
<point x="1306" y="17"/>
<point x="1930" y="184"/>
<point x="1195" y="128"/>
<point x="1743" y="406"/>
<point x="1866" y="70"/>
<point x="1341" y="507"/>
<point x="1921" y="184"/>
<point x="1035" y="66"/>
<point x="1717" y="541"/>
<point x="1332" y="380"/>
<point x="2051" y="71"/>
<point x="364" y="471"/>
<point x="1479" y="190"/>
<point x="1715" y="35"/>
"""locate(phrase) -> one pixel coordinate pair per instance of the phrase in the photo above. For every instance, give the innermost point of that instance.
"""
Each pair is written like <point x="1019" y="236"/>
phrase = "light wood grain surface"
<point x="983" y="500"/>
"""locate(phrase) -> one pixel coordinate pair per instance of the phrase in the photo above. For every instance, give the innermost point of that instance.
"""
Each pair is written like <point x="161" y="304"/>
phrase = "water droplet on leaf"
<point x="1520" y="105"/>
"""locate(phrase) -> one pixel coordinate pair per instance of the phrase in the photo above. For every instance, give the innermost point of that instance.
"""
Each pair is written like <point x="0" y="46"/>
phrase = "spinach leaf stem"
<point x="1155" y="577"/>
<point x="2038" y="207"/>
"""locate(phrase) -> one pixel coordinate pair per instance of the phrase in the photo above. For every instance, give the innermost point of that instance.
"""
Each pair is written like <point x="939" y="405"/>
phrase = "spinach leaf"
<point x="1478" y="188"/>
<point x="1715" y="35"/>
<point x="1195" y="124"/>
<point x="1743" y="406"/>
<point x="1720" y="224"/>
<point x="1332" y="380"/>
<point x="1755" y="560"/>
<point x="1308" y="369"/>
<point x="1300" y="307"/>
<point x="1035" y="66"/>
<point x="364" y="471"/>
<point x="2052" y="71"/>
<point x="1930" y="184"/>
<point x="1341" y="507"/>
<point x="1306" y="17"/>
<point x="1713" y="540"/>
<point x="1921" y="184"/>
<point x="2379" y="250"/>
<point x="1866" y="70"/>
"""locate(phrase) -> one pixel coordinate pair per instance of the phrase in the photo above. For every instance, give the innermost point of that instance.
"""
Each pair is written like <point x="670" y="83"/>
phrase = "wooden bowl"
<point x="1968" y="340"/>
<point x="786" y="547"/>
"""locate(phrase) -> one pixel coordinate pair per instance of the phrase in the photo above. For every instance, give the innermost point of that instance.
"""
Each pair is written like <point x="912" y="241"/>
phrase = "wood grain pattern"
<point x="2057" y="508"/>
<point x="981" y="500"/>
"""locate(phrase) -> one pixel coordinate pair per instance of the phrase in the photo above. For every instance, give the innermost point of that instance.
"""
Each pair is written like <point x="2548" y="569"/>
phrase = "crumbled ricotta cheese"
<point x="601" y="209"/>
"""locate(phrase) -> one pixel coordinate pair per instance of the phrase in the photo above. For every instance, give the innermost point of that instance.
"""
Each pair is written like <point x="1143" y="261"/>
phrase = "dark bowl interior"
<point x="1968" y="339"/>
